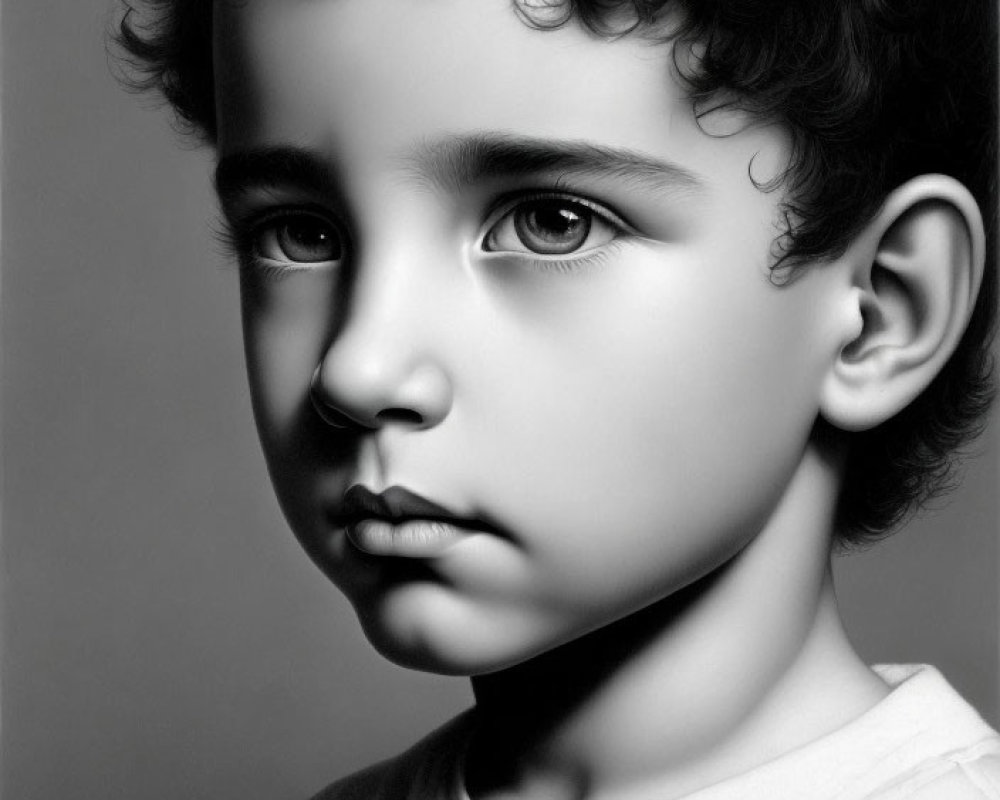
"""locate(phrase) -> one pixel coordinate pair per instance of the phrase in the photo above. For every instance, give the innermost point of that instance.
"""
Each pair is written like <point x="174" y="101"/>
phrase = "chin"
<point x="422" y="657"/>
<point x="425" y="629"/>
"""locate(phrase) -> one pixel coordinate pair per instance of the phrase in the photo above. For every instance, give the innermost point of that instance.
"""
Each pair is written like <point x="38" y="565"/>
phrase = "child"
<point x="579" y="333"/>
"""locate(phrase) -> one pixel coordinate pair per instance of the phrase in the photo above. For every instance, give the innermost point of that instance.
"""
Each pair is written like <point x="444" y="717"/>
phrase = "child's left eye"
<point x="551" y="226"/>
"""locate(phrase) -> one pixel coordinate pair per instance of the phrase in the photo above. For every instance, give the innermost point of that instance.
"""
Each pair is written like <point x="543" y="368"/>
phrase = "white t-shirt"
<point x="922" y="742"/>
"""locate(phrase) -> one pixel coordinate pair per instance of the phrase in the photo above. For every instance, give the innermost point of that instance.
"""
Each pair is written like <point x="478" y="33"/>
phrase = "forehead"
<point x="368" y="81"/>
<point x="446" y="66"/>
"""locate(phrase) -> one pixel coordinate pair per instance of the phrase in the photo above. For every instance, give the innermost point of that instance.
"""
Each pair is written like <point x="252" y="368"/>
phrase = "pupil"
<point x="552" y="228"/>
<point x="309" y="240"/>
<point x="304" y="234"/>
<point x="559" y="221"/>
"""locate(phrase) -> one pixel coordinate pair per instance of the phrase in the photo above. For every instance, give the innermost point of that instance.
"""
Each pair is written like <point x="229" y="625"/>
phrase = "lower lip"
<point x="418" y="538"/>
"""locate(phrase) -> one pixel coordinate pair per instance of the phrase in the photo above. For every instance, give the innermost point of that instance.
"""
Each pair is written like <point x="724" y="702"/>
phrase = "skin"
<point x="652" y="605"/>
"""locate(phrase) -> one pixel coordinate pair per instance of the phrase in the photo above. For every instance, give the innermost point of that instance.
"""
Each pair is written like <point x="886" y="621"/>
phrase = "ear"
<point x="915" y="272"/>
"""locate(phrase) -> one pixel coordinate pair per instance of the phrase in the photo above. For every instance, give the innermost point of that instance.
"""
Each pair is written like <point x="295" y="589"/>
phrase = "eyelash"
<point x="594" y="259"/>
<point x="591" y="258"/>
<point x="238" y="235"/>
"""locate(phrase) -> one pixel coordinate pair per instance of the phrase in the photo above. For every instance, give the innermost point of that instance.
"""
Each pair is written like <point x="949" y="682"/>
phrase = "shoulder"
<point x="935" y="745"/>
<point x="966" y="773"/>
<point x="975" y="779"/>
<point x="427" y="771"/>
<point x="370" y="783"/>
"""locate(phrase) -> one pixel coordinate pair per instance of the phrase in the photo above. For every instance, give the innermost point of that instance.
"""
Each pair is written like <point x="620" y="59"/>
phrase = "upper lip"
<point x="396" y="505"/>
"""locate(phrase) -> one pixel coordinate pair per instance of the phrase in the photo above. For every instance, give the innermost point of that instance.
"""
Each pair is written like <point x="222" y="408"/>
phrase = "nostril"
<point x="328" y="411"/>
<point x="406" y="416"/>
<point x="333" y="417"/>
<point x="366" y="399"/>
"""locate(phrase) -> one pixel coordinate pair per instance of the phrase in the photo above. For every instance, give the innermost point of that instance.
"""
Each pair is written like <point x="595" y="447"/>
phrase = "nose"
<point x="384" y="366"/>
<point x="371" y="394"/>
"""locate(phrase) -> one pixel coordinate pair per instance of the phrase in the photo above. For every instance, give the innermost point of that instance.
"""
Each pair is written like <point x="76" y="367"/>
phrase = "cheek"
<point x="286" y="323"/>
<point x="655" y="429"/>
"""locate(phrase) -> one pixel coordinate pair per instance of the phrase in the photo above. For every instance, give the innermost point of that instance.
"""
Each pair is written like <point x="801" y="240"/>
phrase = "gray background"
<point x="163" y="635"/>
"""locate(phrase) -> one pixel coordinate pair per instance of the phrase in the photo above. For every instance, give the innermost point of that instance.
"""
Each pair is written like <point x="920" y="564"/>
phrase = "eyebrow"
<point x="271" y="166"/>
<point x="454" y="162"/>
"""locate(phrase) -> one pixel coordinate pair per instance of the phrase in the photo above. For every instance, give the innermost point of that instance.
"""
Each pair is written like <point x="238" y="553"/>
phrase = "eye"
<point x="551" y="226"/>
<point x="300" y="238"/>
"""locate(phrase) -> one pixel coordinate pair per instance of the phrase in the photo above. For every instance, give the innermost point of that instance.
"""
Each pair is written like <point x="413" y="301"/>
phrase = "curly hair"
<point x="873" y="93"/>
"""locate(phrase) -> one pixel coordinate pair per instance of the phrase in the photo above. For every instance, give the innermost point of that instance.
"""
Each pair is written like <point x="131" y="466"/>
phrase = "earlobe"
<point x="915" y="272"/>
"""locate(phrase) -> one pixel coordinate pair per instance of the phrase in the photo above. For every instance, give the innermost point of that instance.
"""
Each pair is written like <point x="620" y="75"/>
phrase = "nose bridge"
<point x="388" y="358"/>
<point x="400" y="288"/>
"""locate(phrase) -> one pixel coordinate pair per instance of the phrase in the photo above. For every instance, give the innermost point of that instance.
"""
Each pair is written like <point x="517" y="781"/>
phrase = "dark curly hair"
<point x="874" y="92"/>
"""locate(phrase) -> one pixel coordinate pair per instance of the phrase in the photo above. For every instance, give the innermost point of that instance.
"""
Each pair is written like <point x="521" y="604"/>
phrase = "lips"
<point x="399" y="522"/>
<point x="394" y="504"/>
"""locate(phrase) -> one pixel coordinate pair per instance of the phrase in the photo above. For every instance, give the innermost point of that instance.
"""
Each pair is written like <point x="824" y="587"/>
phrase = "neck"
<point x="745" y="664"/>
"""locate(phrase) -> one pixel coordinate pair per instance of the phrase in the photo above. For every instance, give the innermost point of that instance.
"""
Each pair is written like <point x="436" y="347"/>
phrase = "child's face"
<point x="581" y="350"/>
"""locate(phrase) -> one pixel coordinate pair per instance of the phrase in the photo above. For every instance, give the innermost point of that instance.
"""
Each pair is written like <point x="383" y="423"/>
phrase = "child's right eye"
<point x="300" y="238"/>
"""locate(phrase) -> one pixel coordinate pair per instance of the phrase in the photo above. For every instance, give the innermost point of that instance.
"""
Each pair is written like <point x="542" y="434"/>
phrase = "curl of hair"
<point x="170" y="53"/>
<point x="873" y="92"/>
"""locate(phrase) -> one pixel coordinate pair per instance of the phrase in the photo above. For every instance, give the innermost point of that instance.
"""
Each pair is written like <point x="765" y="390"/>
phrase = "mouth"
<point x="398" y="522"/>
